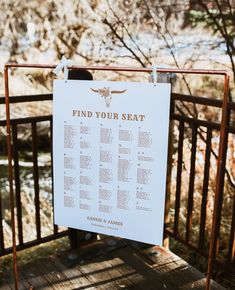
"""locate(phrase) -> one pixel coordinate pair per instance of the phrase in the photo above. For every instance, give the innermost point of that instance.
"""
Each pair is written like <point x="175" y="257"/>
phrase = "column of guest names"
<point x="124" y="167"/>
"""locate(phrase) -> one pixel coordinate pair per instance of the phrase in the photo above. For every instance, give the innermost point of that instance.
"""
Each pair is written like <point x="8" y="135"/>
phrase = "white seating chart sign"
<point x="110" y="142"/>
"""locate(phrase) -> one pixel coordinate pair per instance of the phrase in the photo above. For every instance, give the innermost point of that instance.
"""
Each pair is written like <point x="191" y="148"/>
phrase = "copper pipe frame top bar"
<point x="121" y="68"/>
<point x="213" y="242"/>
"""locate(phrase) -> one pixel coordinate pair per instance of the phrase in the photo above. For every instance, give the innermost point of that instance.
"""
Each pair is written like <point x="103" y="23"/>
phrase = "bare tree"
<point x="219" y="16"/>
<point x="43" y="26"/>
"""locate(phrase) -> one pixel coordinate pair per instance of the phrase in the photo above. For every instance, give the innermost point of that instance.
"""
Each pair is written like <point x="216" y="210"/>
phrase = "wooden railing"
<point x="194" y="153"/>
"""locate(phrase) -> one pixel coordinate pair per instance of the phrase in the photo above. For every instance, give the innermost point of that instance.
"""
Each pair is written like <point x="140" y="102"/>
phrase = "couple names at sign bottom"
<point x="110" y="144"/>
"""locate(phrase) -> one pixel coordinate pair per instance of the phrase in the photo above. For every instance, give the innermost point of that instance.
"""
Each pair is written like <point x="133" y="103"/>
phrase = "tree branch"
<point x="129" y="35"/>
<point x="223" y="33"/>
<point x="121" y="39"/>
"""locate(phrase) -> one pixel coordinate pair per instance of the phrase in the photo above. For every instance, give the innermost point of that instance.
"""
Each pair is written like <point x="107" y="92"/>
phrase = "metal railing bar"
<point x="202" y="123"/>
<point x="221" y="184"/>
<point x="230" y="130"/>
<point x="191" y="246"/>
<point x="10" y="177"/>
<point x="31" y="119"/>
<point x="231" y="250"/>
<point x="219" y="190"/>
<point x="197" y="122"/>
<point x="231" y="106"/>
<point x="55" y="228"/>
<point x="2" y="247"/>
<point x="191" y="183"/>
<point x="201" y="101"/>
<point x="27" y="98"/>
<point x="17" y="182"/>
<point x="175" y="96"/>
<point x="197" y="100"/>
<point x="27" y="120"/>
<point x="195" y="248"/>
<point x="36" y="242"/>
<point x="36" y="179"/>
<point x="178" y="178"/>
<point x="205" y="189"/>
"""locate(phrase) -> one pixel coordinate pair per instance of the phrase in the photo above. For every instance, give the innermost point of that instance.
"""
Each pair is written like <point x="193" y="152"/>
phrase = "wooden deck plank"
<point x="72" y="272"/>
<point x="101" y="274"/>
<point x="109" y="266"/>
<point x="134" y="279"/>
<point x="55" y="278"/>
<point x="124" y="275"/>
<point x="34" y="277"/>
<point x="4" y="282"/>
<point x="121" y="278"/>
<point x="7" y="281"/>
<point x="172" y="268"/>
<point x="151" y="280"/>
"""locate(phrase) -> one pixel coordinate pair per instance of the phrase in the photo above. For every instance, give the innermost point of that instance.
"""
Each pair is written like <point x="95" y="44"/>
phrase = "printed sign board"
<point x="110" y="144"/>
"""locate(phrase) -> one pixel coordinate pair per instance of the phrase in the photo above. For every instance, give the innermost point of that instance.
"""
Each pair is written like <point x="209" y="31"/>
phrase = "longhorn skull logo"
<point x="106" y="93"/>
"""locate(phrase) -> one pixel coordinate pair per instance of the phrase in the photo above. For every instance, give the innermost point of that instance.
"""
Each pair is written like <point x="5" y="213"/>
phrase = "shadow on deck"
<point x="109" y="264"/>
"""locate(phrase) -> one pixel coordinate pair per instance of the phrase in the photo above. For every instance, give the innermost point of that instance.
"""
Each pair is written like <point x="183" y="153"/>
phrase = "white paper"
<point x="110" y="144"/>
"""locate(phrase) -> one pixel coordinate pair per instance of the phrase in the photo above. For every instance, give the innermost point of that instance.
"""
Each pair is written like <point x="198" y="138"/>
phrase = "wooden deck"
<point x="109" y="264"/>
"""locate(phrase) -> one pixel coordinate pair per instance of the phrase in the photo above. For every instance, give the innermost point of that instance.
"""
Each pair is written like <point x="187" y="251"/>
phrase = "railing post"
<point x="169" y="78"/>
<point x="219" y="181"/>
<point x="168" y="185"/>
<point x="17" y="182"/>
<point x="205" y="189"/>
